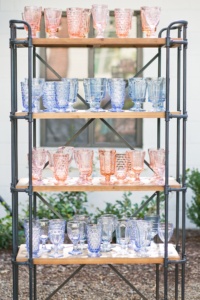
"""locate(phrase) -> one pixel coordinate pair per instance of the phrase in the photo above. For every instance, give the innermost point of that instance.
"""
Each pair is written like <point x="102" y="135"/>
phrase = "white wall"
<point x="171" y="11"/>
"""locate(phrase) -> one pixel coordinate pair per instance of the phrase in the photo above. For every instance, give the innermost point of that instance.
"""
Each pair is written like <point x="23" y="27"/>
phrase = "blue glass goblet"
<point x="137" y="92"/>
<point x="95" y="91"/>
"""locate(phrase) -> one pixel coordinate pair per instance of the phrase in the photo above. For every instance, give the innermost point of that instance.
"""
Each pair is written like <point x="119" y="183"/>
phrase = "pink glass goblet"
<point x="152" y="157"/>
<point x="160" y="166"/>
<point x="32" y="15"/>
<point x="150" y="17"/>
<point x="107" y="163"/>
<point x="130" y="172"/>
<point x="52" y="17"/>
<point x="121" y="167"/>
<point x="123" y="23"/>
<point x="61" y="163"/>
<point x="137" y="163"/>
<point x="84" y="159"/>
<point x="74" y="21"/>
<point x="85" y="23"/>
<point x="100" y="16"/>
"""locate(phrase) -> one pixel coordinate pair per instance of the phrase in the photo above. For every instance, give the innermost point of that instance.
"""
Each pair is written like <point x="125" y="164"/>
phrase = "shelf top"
<point x="155" y="256"/>
<point x="84" y="114"/>
<point x="102" y="42"/>
<point x="49" y="185"/>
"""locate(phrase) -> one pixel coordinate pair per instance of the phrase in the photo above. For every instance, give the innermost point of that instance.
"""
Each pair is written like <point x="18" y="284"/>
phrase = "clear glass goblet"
<point x="161" y="231"/>
<point x="100" y="14"/>
<point x="83" y="220"/>
<point x="155" y="221"/>
<point x="150" y="18"/>
<point x="35" y="237"/>
<point x="137" y="88"/>
<point x="55" y="236"/>
<point x="107" y="231"/>
<point x="74" y="231"/>
<point x="61" y="224"/>
<point x="123" y="235"/>
<point x="44" y="231"/>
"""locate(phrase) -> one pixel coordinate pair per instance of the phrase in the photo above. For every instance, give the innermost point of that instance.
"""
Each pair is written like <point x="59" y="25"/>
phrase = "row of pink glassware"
<point x="126" y="166"/>
<point x="78" y="20"/>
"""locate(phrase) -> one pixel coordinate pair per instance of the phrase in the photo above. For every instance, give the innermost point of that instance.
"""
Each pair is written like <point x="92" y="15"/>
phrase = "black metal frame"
<point x="181" y="28"/>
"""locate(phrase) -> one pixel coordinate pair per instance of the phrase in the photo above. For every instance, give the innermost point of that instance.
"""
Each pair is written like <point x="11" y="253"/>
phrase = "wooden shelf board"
<point x="83" y="114"/>
<point x="155" y="256"/>
<point x="48" y="185"/>
<point x="98" y="42"/>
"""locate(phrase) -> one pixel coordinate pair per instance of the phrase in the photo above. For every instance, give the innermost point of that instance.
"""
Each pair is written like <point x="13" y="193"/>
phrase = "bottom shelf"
<point x="153" y="256"/>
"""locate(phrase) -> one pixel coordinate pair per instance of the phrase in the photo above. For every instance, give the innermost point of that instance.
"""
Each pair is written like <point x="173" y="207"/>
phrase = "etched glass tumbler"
<point x="74" y="21"/>
<point x="100" y="14"/>
<point x="95" y="91"/>
<point x="52" y="17"/>
<point x="73" y="91"/>
<point x="94" y="235"/>
<point x="84" y="158"/>
<point x="155" y="92"/>
<point x="35" y="237"/>
<point x="61" y="164"/>
<point x="150" y="18"/>
<point x="116" y="90"/>
<point x="107" y="164"/>
<point x="48" y="96"/>
<point x="123" y="17"/>
<point x="137" y="88"/>
<point x="74" y="231"/>
<point x="32" y="15"/>
<point x="62" y="95"/>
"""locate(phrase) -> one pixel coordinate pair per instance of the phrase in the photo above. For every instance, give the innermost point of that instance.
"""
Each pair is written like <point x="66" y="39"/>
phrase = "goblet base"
<point x="75" y="252"/>
<point x="56" y="255"/>
<point x="94" y="254"/>
<point x="136" y="109"/>
<point x="116" y="110"/>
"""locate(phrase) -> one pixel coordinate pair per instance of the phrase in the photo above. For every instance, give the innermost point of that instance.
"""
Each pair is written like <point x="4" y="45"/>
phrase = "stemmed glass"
<point x="94" y="235"/>
<point x="61" y="224"/>
<point x="122" y="235"/>
<point x="137" y="163"/>
<point x="48" y="96"/>
<point x="100" y="16"/>
<point x="56" y="237"/>
<point x="117" y="92"/>
<point x="44" y="229"/>
<point x="155" y="221"/>
<point x="85" y="22"/>
<point x="39" y="158"/>
<point x="73" y="91"/>
<point x="84" y="160"/>
<point x="61" y="167"/>
<point x="32" y="15"/>
<point x="95" y="91"/>
<point x="161" y="231"/>
<point x="152" y="158"/>
<point x="150" y="17"/>
<point x="74" y="231"/>
<point x="83" y="220"/>
<point x="107" y="163"/>
<point x="160" y="166"/>
<point x="137" y="88"/>
<point x="121" y="167"/>
<point x="37" y="92"/>
<point x="156" y="92"/>
<point x="52" y="17"/>
<point x="107" y="224"/>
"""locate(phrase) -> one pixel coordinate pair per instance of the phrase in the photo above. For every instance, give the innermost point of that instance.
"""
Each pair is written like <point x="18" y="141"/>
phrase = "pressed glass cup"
<point x="123" y="17"/>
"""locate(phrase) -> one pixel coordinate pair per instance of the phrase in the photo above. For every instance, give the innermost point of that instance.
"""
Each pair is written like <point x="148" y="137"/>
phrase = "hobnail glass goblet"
<point x="137" y="88"/>
<point x="48" y="96"/>
<point x="123" y="18"/>
<point x="74" y="231"/>
<point x="116" y="90"/>
<point x="150" y="17"/>
<point x="95" y="91"/>
<point x="100" y="16"/>
<point x="107" y="164"/>
<point x="94" y="234"/>
<point x="52" y="17"/>
<point x="73" y="91"/>
<point x="61" y="167"/>
<point x="74" y="21"/>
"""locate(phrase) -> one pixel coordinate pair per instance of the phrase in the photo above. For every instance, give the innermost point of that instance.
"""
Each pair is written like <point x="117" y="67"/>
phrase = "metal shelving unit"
<point x="177" y="184"/>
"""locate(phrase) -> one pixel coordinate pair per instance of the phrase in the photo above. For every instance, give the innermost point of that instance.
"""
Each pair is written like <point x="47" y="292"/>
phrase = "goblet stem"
<point x="107" y="179"/>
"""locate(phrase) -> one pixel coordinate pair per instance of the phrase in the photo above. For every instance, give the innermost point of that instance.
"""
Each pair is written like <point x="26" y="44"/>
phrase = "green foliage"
<point x="65" y="203"/>
<point x="193" y="182"/>
<point x="6" y="232"/>
<point x="125" y="207"/>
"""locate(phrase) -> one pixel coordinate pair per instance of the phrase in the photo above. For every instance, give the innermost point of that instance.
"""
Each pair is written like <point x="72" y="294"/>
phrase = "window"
<point x="92" y="62"/>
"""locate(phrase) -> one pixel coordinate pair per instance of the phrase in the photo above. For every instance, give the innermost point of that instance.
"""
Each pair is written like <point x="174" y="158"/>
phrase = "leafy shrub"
<point x="193" y="209"/>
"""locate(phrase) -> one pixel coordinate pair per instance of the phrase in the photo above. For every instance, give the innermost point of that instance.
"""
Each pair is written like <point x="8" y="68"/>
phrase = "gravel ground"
<point x="100" y="282"/>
